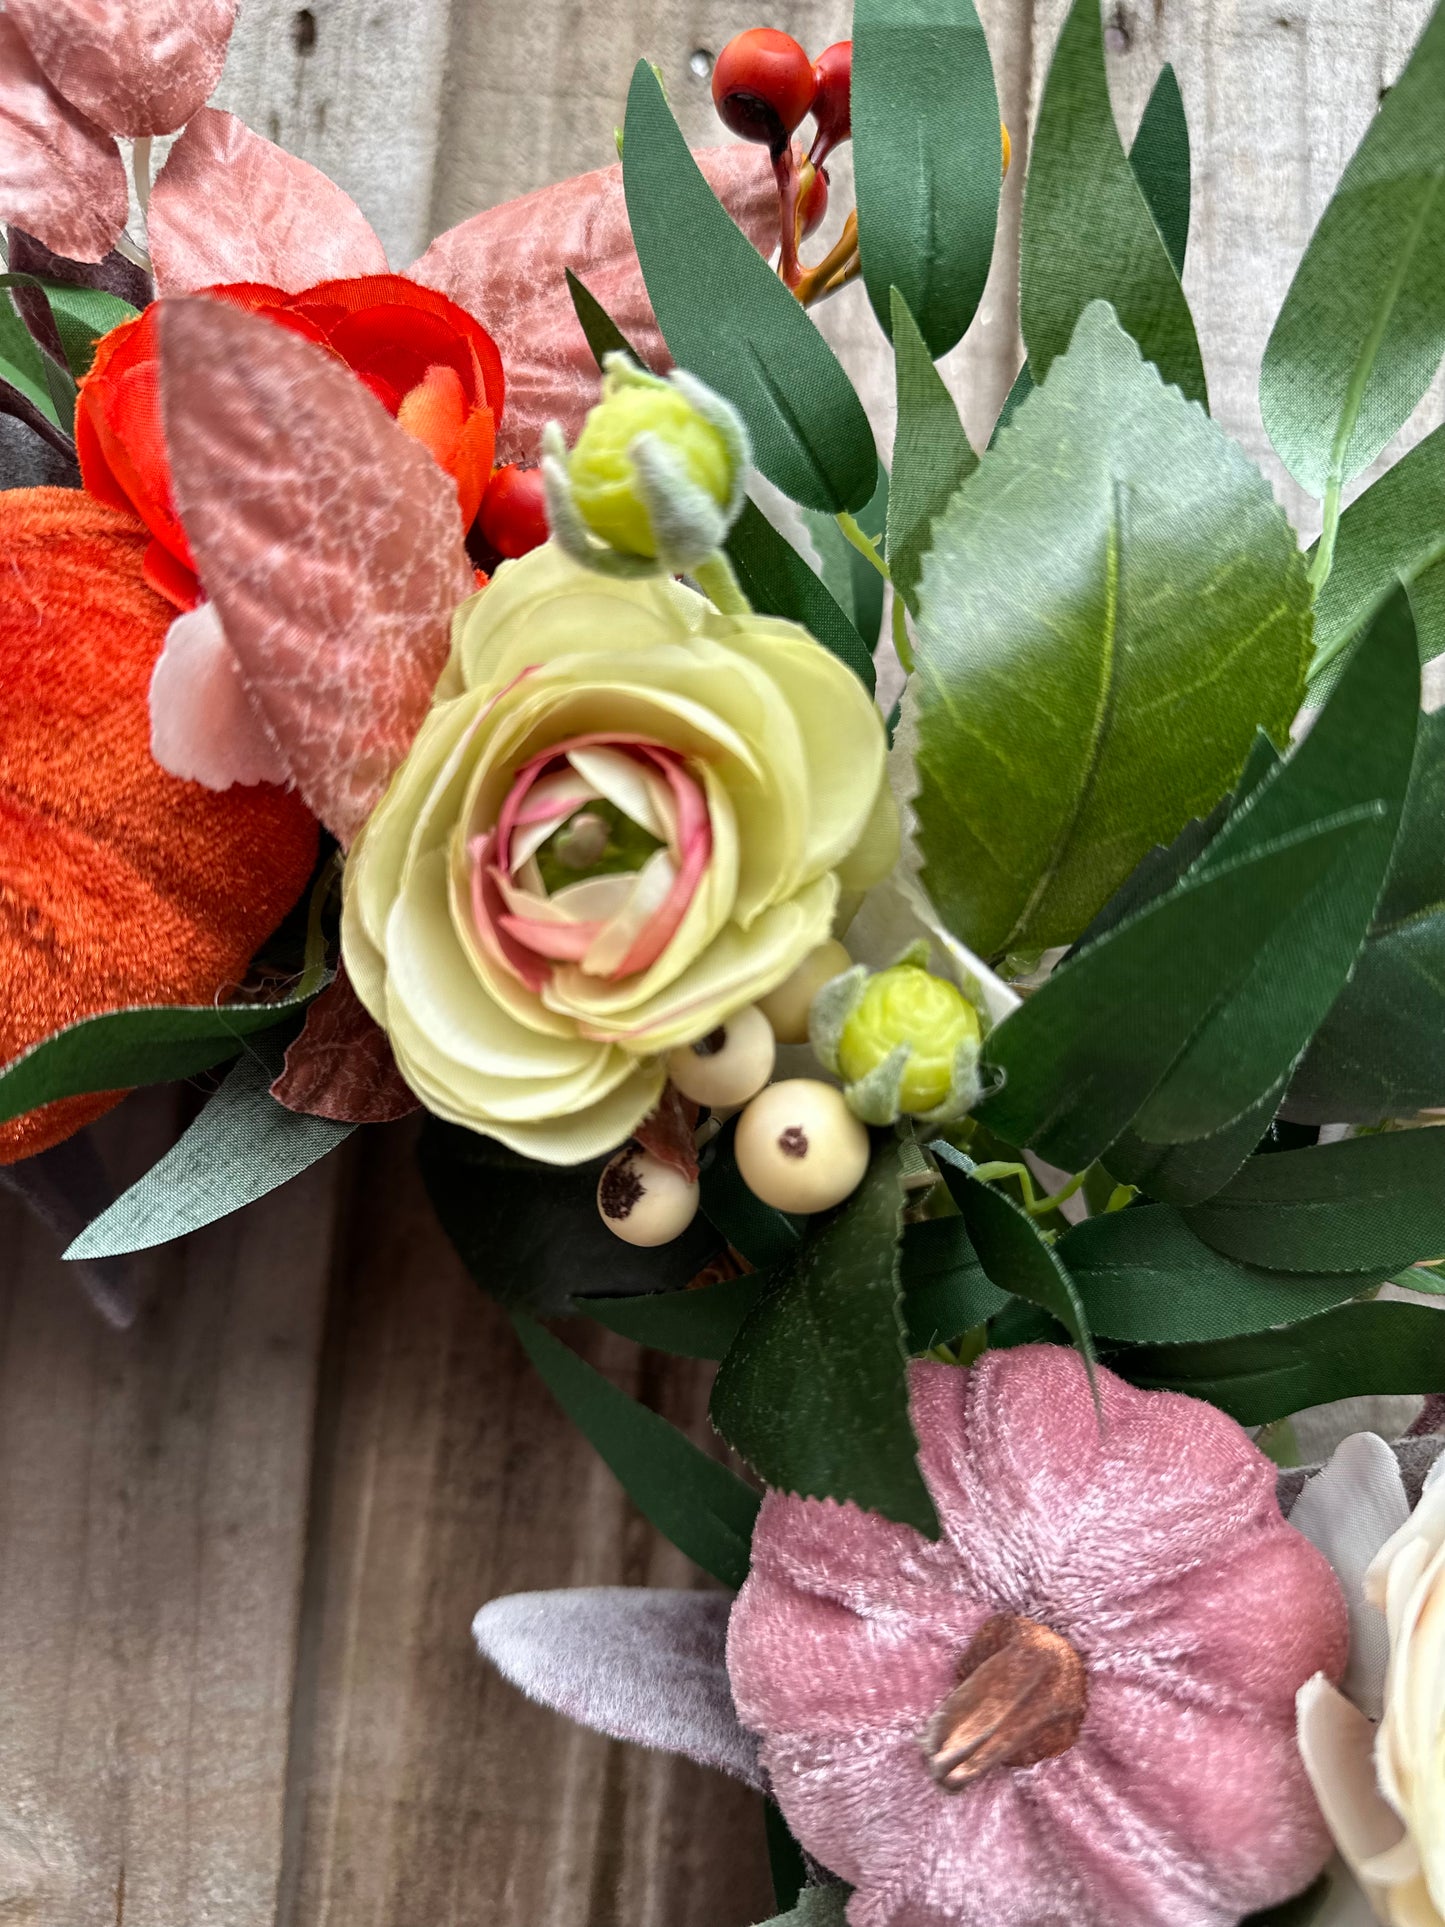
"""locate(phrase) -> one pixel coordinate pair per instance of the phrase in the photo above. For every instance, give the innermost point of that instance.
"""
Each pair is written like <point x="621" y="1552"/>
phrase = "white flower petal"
<point x="1337" y="1744"/>
<point x="1349" y="1511"/>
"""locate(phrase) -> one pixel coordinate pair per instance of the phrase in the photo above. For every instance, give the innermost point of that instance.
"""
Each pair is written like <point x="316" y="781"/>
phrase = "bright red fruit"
<point x="513" y="517"/>
<point x="762" y="85"/>
<point x="832" y="99"/>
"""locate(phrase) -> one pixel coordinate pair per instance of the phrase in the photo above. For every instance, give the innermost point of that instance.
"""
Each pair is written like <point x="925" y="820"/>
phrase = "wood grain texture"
<point x="241" y="1545"/>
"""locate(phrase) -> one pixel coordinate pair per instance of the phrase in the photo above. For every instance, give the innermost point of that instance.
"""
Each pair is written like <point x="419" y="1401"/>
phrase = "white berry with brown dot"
<point x="644" y="1201"/>
<point x="799" y="1148"/>
<point x="728" y="1066"/>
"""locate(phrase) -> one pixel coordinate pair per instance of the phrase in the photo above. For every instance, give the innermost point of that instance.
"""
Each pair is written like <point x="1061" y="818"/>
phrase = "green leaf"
<point x="946" y="1291"/>
<point x="147" y="1044"/>
<point x="700" y="1323"/>
<point x="1362" y="328"/>
<point x="778" y="582"/>
<point x="1187" y="1173"/>
<point x="1122" y="562"/>
<point x="21" y="362"/>
<point x="763" y="1235"/>
<point x="1015" y="1256"/>
<point x="932" y="456"/>
<point x="1145" y="1276"/>
<point x="703" y="1508"/>
<point x="604" y="337"/>
<point x="81" y="315"/>
<point x="814" y="1392"/>
<point x="927" y="158"/>
<point x="1181" y="1020"/>
<point x="1160" y="160"/>
<point x="1088" y="233"/>
<point x="1023" y="386"/>
<point x="786" y="1860"/>
<point x="1354" y="1351"/>
<point x="729" y="319"/>
<point x="243" y="1145"/>
<point x="1371" y="1204"/>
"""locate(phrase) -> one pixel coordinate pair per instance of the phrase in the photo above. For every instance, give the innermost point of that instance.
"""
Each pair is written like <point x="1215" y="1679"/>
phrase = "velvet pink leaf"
<point x="507" y="267"/>
<point x="134" y="66"/>
<point x="61" y="176"/>
<point x="327" y="538"/>
<point x="340" y="1065"/>
<point x="231" y="206"/>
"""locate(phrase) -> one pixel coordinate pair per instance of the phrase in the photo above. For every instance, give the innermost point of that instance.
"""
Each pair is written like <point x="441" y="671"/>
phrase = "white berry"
<point x="644" y="1201"/>
<point x="729" y="1065"/>
<point x="799" y="1148"/>
<point x="787" y="1007"/>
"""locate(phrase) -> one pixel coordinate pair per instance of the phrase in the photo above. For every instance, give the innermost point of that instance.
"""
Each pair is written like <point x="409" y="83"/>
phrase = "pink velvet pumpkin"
<point x="1076" y="1708"/>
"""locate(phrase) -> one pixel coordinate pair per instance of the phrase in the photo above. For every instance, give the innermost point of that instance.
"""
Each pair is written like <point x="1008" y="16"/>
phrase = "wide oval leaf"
<point x="727" y="317"/>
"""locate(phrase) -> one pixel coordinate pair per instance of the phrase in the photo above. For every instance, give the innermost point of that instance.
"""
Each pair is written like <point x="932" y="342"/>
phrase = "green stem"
<point x="1325" y="551"/>
<point x="864" y="544"/>
<point x="902" y="647"/>
<point x="1036" y="1206"/>
<point x="718" y="583"/>
<point x="313" y="969"/>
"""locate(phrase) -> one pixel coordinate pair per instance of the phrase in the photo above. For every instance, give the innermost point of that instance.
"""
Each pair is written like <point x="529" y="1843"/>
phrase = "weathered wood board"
<point x="241" y="1544"/>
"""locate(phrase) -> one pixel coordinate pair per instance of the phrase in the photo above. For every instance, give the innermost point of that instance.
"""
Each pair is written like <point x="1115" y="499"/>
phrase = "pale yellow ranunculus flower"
<point x="626" y="816"/>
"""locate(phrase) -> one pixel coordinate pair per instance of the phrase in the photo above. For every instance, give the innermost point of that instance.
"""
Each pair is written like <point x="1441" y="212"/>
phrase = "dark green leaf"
<point x="700" y="1323"/>
<point x="143" y="1045"/>
<point x="1371" y="1204"/>
<point x="1355" y="1351"/>
<point x="1023" y="386"/>
<point x="22" y="364"/>
<point x="1143" y="1275"/>
<point x="932" y="456"/>
<point x="814" y="1393"/>
<point x="763" y="1236"/>
<point x="1154" y="875"/>
<point x="849" y="577"/>
<point x="604" y="337"/>
<point x="1088" y="234"/>
<point x="703" y="1508"/>
<point x="729" y="319"/>
<point x="530" y="1234"/>
<point x="1160" y="160"/>
<point x="927" y="158"/>
<point x="1362" y="328"/>
<point x="946" y="1291"/>
<point x="1119" y="558"/>
<point x="786" y="1860"/>
<point x="243" y="1145"/>
<point x="1016" y="1258"/>
<point x="1187" y="1173"/>
<point x="778" y="582"/>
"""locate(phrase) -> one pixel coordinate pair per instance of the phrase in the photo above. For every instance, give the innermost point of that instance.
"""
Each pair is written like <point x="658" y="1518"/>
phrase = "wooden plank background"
<point x="241" y="1544"/>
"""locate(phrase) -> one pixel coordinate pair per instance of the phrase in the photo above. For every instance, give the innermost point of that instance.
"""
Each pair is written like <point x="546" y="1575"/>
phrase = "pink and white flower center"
<point x="617" y="921"/>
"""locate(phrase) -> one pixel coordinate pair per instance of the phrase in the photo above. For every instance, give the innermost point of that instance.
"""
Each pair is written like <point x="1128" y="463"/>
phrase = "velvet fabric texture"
<point x="1151" y="1538"/>
<point x="119" y="884"/>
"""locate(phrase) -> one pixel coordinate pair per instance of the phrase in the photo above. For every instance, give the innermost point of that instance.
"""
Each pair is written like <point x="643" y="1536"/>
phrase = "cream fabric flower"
<point x="626" y="816"/>
<point x="1376" y="1752"/>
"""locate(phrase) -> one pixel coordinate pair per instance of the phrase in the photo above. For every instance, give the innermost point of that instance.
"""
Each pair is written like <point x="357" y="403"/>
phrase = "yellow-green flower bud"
<point x="908" y="1007"/>
<point x="604" y="474"/>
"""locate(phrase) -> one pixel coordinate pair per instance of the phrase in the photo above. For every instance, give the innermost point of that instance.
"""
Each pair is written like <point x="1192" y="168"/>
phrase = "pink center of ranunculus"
<point x="596" y="855"/>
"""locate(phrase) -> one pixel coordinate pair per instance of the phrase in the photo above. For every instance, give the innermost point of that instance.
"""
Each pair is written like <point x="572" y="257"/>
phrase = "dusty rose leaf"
<point x="205" y="725"/>
<point x="507" y="267"/>
<point x="231" y="206"/>
<point x="327" y="538"/>
<point x="668" y="1133"/>
<point x="61" y="176"/>
<point x="340" y="1065"/>
<point x="134" y="66"/>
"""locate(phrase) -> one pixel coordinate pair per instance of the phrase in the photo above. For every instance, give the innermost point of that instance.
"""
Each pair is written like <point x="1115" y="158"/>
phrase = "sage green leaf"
<point x="1088" y="233"/>
<point x="778" y="582"/>
<point x="927" y="160"/>
<point x="814" y="1393"/>
<point x="1370" y="1204"/>
<point x="142" y="1045"/>
<point x="1160" y="160"/>
<point x="22" y="363"/>
<point x="932" y="455"/>
<point x="1015" y="1256"/>
<point x="1362" y="328"/>
<point x="728" y="318"/>
<point x="1145" y="1276"/>
<point x="816" y="1907"/>
<point x="692" y="1323"/>
<point x="243" y="1145"/>
<point x="703" y="1508"/>
<point x="1122" y="562"/>
<point x="1354" y="1351"/>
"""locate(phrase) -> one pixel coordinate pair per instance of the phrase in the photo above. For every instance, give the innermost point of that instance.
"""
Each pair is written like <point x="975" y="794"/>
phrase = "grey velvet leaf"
<point x="633" y="1662"/>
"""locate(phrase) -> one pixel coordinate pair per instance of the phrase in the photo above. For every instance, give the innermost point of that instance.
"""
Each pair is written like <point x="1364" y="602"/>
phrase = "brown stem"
<point x="838" y="265"/>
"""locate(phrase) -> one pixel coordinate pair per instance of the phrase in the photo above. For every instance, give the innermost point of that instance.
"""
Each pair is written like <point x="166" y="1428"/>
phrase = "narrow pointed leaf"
<point x="932" y="456"/>
<point x="1160" y="160"/>
<point x="692" y="1323"/>
<point x="22" y="364"/>
<point x="728" y="318"/>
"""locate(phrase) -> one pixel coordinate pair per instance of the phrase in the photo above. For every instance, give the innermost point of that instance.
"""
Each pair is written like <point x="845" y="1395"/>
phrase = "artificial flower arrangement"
<point x="1018" y="1094"/>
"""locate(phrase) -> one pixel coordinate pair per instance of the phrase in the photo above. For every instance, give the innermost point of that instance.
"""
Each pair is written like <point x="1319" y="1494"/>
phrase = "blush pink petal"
<point x="327" y="538"/>
<point x="61" y="177"/>
<point x="205" y="726"/>
<point x="231" y="206"/>
<point x="134" y="66"/>
<point x="489" y="914"/>
<point x="507" y="267"/>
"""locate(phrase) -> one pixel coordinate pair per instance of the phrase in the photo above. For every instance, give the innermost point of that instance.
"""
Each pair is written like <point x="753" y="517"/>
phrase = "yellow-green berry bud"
<point x="604" y="473"/>
<point x="908" y="1007"/>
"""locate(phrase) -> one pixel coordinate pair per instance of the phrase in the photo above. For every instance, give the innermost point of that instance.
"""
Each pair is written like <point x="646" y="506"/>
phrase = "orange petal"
<point x="119" y="884"/>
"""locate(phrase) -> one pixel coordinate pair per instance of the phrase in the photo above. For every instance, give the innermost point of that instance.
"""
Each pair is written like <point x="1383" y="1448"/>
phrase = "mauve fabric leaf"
<point x="340" y="1064"/>
<point x="327" y="538"/>
<point x="61" y="176"/>
<point x="205" y="726"/>
<point x="134" y="66"/>
<point x="669" y="1133"/>
<point x="506" y="266"/>
<point x="112" y="274"/>
<point x="230" y="205"/>
<point x="633" y="1662"/>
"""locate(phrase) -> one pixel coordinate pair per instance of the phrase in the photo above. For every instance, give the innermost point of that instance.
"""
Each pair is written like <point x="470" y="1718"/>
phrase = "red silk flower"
<point x="430" y="365"/>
